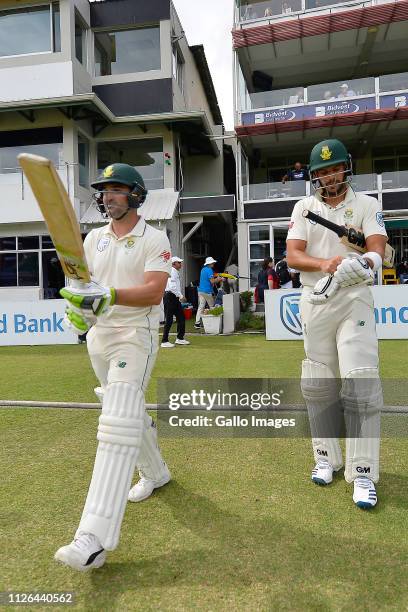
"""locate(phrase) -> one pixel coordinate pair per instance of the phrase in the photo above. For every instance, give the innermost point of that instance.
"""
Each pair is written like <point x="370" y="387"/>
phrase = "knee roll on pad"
<point x="99" y="392"/>
<point x="321" y="394"/>
<point x="120" y="433"/>
<point x="362" y="399"/>
<point x="150" y="462"/>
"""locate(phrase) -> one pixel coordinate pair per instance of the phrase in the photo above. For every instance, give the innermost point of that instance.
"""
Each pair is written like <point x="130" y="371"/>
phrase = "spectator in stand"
<point x="297" y="173"/>
<point x="402" y="272"/>
<point x="345" y="92"/>
<point x="328" y="96"/>
<point x="286" y="10"/>
<point x="205" y="288"/>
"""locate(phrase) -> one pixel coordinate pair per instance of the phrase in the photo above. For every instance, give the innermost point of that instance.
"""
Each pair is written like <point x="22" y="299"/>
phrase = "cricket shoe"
<point x="197" y="326"/>
<point x="145" y="487"/>
<point x="182" y="341"/>
<point x="84" y="553"/>
<point x="167" y="345"/>
<point x="364" y="495"/>
<point x="322" y="473"/>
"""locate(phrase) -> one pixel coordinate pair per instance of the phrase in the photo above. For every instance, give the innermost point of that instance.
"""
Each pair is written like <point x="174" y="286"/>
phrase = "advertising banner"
<point x="282" y="317"/>
<point x="32" y="323"/>
<point x="394" y="101"/>
<point x="310" y="111"/>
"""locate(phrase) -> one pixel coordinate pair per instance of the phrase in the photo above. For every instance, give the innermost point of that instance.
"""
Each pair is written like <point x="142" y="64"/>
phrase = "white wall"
<point x="52" y="80"/>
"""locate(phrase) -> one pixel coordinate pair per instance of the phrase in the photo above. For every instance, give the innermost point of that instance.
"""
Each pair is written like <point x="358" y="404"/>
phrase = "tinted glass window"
<point x="28" y="270"/>
<point x="128" y="51"/>
<point x="28" y="242"/>
<point x="145" y="154"/>
<point x="8" y="244"/>
<point x="8" y="270"/>
<point x="25" y="31"/>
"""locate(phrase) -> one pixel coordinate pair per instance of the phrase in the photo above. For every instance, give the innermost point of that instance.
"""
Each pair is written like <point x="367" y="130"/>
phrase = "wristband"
<point x="375" y="258"/>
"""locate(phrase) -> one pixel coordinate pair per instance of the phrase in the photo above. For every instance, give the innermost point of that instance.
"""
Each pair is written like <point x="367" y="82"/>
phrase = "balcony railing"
<point x="274" y="9"/>
<point x="277" y="190"/>
<point x="363" y="183"/>
<point x="334" y="98"/>
<point x="16" y="192"/>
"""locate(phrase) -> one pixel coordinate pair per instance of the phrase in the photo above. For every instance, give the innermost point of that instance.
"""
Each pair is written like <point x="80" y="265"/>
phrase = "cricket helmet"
<point x="124" y="175"/>
<point x="328" y="153"/>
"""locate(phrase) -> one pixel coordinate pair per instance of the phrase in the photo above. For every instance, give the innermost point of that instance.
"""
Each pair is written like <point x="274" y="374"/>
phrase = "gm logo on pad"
<point x="290" y="314"/>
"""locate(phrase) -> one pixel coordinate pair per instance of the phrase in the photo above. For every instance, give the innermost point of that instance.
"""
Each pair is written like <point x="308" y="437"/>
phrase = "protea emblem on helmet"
<point x="326" y="153"/>
<point x="108" y="171"/>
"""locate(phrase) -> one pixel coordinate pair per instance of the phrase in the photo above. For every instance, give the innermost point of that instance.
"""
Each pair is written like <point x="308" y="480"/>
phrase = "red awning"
<point x="258" y="129"/>
<point x="314" y="25"/>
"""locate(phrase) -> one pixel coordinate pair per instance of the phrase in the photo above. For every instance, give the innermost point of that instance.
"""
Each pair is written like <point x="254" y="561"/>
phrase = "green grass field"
<point x="240" y="527"/>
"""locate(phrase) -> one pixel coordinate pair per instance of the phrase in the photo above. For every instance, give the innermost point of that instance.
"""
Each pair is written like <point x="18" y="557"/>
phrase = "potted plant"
<point x="212" y="320"/>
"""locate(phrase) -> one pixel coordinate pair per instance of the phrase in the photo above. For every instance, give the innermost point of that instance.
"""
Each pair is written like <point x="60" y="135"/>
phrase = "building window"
<point x="145" y="154"/>
<point x="83" y="161"/>
<point x="46" y="142"/>
<point x="24" y="260"/>
<point x="56" y="27"/>
<point x="127" y="51"/>
<point x="33" y="29"/>
<point x="80" y="40"/>
<point x="259" y="248"/>
<point x="177" y="63"/>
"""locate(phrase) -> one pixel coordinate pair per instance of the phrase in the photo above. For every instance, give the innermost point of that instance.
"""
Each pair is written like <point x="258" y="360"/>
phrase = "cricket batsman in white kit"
<point x="129" y="262"/>
<point x="337" y="312"/>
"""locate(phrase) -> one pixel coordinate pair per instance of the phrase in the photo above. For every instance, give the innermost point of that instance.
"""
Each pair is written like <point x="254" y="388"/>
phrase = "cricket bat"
<point x="351" y="237"/>
<point x="231" y="276"/>
<point x="58" y="214"/>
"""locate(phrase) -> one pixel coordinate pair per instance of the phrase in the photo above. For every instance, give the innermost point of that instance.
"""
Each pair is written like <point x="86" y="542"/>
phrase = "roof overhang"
<point x="160" y="205"/>
<point x="90" y="106"/>
<point x="206" y="78"/>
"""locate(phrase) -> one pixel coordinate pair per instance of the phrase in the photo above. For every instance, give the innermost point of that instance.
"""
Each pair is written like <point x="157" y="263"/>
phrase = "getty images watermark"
<point x="263" y="408"/>
<point x="224" y="408"/>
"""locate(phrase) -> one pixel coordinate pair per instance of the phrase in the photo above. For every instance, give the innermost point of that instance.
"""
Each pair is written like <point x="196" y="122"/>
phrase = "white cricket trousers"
<point x="341" y="342"/>
<point x="123" y="360"/>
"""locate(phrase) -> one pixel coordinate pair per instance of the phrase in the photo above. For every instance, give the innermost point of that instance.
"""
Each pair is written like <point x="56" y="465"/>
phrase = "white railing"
<point x="18" y="204"/>
<point x="363" y="183"/>
<point x="323" y="93"/>
<point x="270" y="10"/>
<point x="277" y="190"/>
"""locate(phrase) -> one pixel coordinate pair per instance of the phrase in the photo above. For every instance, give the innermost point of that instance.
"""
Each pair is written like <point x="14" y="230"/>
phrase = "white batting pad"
<point x="321" y="394"/>
<point x="363" y="400"/>
<point x="150" y="462"/>
<point x="119" y="433"/>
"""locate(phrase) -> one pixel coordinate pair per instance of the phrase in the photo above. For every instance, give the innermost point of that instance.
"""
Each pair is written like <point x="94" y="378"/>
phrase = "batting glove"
<point x="323" y="290"/>
<point x="77" y="322"/>
<point x="89" y="299"/>
<point x="354" y="270"/>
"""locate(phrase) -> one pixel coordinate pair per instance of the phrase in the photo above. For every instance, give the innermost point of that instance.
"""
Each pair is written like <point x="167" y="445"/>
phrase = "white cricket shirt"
<point x="173" y="284"/>
<point x="359" y="210"/>
<point x="122" y="262"/>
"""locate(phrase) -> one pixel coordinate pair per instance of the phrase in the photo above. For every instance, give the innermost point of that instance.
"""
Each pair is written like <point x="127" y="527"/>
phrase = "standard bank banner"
<point x="37" y="322"/>
<point x="282" y="316"/>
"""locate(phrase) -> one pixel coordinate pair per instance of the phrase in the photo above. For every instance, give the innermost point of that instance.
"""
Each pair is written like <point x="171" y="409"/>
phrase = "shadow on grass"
<point x="304" y="567"/>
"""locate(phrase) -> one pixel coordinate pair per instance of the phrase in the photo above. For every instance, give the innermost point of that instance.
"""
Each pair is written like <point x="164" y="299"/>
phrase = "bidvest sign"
<point x="282" y="316"/>
<point x="37" y="322"/>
